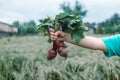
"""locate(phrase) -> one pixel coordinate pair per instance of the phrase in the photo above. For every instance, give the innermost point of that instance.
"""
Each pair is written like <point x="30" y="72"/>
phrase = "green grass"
<point x="24" y="58"/>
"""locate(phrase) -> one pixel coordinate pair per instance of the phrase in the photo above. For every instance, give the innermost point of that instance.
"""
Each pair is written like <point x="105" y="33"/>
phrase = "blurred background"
<point x="100" y="15"/>
<point x="23" y="51"/>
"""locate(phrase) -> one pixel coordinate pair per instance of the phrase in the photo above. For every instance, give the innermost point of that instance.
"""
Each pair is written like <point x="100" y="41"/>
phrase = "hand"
<point x="59" y="35"/>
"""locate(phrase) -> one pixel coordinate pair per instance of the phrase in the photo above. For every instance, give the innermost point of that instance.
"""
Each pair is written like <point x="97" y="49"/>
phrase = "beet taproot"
<point x="58" y="46"/>
<point x="51" y="54"/>
<point x="55" y="46"/>
<point x="63" y="52"/>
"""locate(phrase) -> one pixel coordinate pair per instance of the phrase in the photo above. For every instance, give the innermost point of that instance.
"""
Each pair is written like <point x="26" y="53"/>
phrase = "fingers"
<point x="52" y="34"/>
<point x="52" y="30"/>
<point x="59" y="33"/>
<point x="53" y="37"/>
<point x="56" y="35"/>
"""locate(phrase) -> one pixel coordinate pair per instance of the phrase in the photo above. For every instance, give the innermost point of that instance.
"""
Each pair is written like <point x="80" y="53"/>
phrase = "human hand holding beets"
<point x="59" y="46"/>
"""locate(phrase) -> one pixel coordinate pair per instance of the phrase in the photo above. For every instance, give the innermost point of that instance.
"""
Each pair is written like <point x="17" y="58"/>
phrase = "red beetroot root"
<point x="63" y="52"/>
<point x="58" y="46"/>
<point x="51" y="54"/>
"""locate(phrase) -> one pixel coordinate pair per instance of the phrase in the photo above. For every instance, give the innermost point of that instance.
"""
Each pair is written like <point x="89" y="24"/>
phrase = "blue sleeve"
<point x="112" y="44"/>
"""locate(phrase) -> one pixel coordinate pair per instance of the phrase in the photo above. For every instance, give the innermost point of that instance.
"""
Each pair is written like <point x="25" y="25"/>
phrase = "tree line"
<point x="25" y="27"/>
<point x="110" y="26"/>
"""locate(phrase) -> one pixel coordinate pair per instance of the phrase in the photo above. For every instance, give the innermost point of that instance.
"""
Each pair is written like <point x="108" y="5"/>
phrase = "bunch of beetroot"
<point x="58" y="47"/>
<point x="71" y="24"/>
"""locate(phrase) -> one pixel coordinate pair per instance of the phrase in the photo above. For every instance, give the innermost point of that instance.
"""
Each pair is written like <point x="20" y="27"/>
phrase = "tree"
<point x="115" y="19"/>
<point x="30" y="26"/>
<point x="111" y="25"/>
<point x="112" y="21"/>
<point x="77" y="10"/>
<point x="26" y="27"/>
<point x="18" y="25"/>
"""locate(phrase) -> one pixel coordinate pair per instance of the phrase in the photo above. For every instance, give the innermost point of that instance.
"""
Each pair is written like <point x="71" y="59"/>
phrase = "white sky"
<point x="26" y="10"/>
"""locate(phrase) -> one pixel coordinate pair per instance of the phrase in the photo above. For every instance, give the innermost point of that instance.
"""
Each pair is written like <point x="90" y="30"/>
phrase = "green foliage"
<point x="111" y="25"/>
<point x="30" y="27"/>
<point x="70" y="24"/>
<point x="109" y="30"/>
<point x="26" y="27"/>
<point x="115" y="29"/>
<point x="45" y="25"/>
<point x="18" y="25"/>
<point x="77" y="10"/>
<point x="113" y="21"/>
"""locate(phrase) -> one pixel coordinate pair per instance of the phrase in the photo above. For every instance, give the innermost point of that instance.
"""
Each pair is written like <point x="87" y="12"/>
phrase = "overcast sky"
<point x="26" y="10"/>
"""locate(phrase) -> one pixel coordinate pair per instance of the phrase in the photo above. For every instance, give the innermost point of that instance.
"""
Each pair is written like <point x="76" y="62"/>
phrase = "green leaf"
<point x="49" y="40"/>
<point x="47" y="24"/>
<point x="61" y="16"/>
<point x="44" y="26"/>
<point x="77" y="36"/>
<point x="71" y="27"/>
<point x="48" y="19"/>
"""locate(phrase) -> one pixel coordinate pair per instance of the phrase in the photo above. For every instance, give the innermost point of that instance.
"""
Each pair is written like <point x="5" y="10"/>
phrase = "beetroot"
<point x="63" y="52"/>
<point x="55" y="46"/>
<point x="60" y="49"/>
<point x="51" y="54"/>
<point x="57" y="43"/>
<point x="62" y="44"/>
<point x="58" y="46"/>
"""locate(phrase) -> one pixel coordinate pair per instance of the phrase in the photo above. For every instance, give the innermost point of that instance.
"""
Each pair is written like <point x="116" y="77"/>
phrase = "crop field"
<point x="24" y="58"/>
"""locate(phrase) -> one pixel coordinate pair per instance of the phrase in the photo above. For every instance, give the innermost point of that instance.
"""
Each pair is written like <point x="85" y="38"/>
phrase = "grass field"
<point x="24" y="58"/>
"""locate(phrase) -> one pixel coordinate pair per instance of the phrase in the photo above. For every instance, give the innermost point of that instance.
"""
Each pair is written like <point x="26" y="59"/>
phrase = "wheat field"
<point x="24" y="58"/>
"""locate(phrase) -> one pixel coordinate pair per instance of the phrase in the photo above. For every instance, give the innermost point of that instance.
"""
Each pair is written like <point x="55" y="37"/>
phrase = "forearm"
<point x="88" y="42"/>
